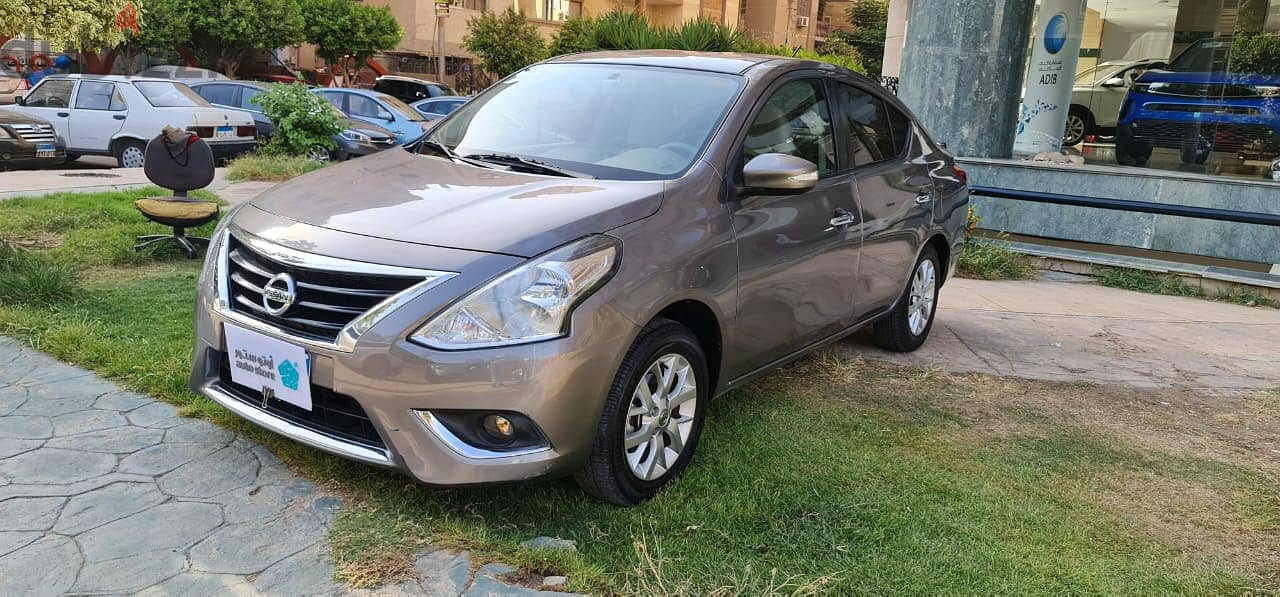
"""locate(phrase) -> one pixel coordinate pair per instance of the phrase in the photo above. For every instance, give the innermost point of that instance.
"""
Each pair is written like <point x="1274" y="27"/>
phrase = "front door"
<point x="796" y="267"/>
<point x="51" y="100"/>
<point x="99" y="113"/>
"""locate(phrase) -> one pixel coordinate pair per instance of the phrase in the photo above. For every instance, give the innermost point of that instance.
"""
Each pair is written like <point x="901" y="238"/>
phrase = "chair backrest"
<point x="180" y="166"/>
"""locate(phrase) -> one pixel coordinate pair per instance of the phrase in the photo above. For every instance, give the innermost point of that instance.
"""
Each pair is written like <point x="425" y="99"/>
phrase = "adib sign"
<point x="1050" y="76"/>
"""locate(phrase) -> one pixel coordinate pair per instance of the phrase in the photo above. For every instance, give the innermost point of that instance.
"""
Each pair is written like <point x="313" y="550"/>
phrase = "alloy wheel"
<point x="132" y="157"/>
<point x="318" y="154"/>
<point x="923" y="290"/>
<point x="660" y="416"/>
<point x="1075" y="130"/>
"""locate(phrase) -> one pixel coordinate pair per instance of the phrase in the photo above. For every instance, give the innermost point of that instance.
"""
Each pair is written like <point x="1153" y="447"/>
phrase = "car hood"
<point x="1168" y="76"/>
<point x="11" y="115"/>
<point x="427" y="200"/>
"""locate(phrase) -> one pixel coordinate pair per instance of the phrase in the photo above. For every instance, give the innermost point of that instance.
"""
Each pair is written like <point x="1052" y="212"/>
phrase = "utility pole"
<point x="442" y="12"/>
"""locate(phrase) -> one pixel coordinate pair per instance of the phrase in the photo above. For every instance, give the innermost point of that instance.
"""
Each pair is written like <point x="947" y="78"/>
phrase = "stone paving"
<point x="108" y="491"/>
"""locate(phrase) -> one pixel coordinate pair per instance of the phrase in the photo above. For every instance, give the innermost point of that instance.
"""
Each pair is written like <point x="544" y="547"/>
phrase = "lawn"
<point x="829" y="476"/>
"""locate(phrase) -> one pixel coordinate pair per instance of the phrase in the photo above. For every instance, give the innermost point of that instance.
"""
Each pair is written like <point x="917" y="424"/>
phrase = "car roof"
<point x="720" y="62"/>
<point x="119" y="78"/>
<point x="240" y="82"/>
<point x="355" y="90"/>
<point x="404" y="78"/>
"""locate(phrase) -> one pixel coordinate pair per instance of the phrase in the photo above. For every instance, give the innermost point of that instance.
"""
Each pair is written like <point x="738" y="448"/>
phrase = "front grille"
<point x="331" y="413"/>
<point x="35" y="132"/>
<point x="1222" y="136"/>
<point x="1203" y="109"/>
<point x="326" y="301"/>
<point x="1208" y="90"/>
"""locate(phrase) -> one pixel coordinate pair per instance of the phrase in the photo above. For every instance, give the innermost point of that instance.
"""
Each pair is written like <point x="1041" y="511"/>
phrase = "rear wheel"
<point x="652" y="417"/>
<point x="907" y="327"/>
<point x="130" y="154"/>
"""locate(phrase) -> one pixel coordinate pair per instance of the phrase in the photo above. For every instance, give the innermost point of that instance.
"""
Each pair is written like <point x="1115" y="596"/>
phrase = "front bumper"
<point x="18" y="153"/>
<point x="559" y="385"/>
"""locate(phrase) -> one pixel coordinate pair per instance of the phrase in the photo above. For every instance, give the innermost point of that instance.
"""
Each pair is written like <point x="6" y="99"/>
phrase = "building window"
<point x="555" y="10"/>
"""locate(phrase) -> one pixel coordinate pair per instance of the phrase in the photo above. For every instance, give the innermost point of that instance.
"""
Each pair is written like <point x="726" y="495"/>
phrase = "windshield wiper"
<point x="516" y="162"/>
<point x="444" y="151"/>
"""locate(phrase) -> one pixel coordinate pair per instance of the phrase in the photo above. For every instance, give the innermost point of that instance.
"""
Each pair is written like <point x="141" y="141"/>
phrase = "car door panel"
<point x="98" y="114"/>
<point x="51" y="100"/>
<point x="796" y="267"/>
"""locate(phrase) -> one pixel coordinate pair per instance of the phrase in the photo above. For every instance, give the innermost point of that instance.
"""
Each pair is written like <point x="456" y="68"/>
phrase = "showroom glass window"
<point x="1180" y="85"/>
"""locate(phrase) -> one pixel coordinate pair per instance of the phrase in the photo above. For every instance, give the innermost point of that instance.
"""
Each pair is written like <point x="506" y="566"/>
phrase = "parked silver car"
<point x="1098" y="94"/>
<point x="554" y="292"/>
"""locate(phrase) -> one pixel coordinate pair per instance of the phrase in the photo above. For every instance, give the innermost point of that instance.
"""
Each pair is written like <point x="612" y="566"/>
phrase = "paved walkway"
<point x="108" y="491"/>
<point x="1069" y="329"/>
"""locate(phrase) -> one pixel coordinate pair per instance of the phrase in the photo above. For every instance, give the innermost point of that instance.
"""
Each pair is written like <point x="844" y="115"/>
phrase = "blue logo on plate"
<point x="1055" y="34"/>
<point x="288" y="375"/>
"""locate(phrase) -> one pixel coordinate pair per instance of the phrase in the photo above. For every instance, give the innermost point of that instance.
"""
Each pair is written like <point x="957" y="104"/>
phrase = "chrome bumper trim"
<point x="462" y="448"/>
<point x="218" y="393"/>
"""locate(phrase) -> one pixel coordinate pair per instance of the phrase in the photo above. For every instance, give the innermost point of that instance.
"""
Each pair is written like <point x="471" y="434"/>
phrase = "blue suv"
<point x="1197" y="105"/>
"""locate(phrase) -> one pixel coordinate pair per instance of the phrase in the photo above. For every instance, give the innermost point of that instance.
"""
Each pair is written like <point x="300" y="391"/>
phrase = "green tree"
<point x="229" y="31"/>
<point x="347" y="33"/>
<point x="71" y="24"/>
<point x="504" y="42"/>
<point x="576" y="35"/>
<point x="304" y="121"/>
<point x="870" y="22"/>
<point x="165" y="27"/>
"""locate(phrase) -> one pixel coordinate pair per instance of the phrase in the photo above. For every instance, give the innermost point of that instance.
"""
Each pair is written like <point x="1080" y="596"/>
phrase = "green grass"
<point x="1171" y="284"/>
<point x="827" y="477"/>
<point x="270" y="168"/>
<point x="986" y="259"/>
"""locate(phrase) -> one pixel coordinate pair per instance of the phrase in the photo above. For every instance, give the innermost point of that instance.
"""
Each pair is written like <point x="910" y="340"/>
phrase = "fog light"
<point x="499" y="427"/>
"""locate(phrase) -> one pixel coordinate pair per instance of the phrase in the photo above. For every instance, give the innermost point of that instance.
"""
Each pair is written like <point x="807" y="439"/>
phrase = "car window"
<point x="870" y="132"/>
<point x="795" y="121"/>
<point x="901" y="126"/>
<point x="439" y="90"/>
<point x="400" y="108"/>
<point x="367" y="107"/>
<point x="51" y="93"/>
<point x="248" y="99"/>
<point x="335" y="100"/>
<point x="165" y="94"/>
<point x="99" y="95"/>
<point x="218" y="94"/>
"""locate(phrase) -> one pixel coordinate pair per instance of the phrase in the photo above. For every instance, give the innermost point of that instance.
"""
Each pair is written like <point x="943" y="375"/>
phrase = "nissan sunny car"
<point x="575" y="263"/>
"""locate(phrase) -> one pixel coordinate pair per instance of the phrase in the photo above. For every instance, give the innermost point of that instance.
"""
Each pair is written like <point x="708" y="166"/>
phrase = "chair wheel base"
<point x="190" y="245"/>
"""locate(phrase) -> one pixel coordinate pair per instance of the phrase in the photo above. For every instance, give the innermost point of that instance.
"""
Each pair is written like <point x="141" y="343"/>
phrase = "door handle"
<point x="843" y="218"/>
<point x="923" y="198"/>
<point x="118" y="116"/>
<point x="64" y="114"/>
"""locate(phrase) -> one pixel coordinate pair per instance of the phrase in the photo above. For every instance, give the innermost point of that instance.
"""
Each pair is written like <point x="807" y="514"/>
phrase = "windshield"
<point x="163" y="94"/>
<point x="1203" y="56"/>
<point x="608" y="121"/>
<point x="401" y="108"/>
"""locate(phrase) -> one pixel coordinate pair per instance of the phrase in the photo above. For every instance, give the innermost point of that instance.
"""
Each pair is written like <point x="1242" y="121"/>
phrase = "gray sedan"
<point x="548" y="292"/>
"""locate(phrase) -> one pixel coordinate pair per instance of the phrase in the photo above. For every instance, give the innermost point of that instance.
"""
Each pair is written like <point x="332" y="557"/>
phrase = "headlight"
<point x="1268" y="90"/>
<point x="357" y="136"/>
<point x="5" y="134"/>
<point x="530" y="303"/>
<point x="209" y="272"/>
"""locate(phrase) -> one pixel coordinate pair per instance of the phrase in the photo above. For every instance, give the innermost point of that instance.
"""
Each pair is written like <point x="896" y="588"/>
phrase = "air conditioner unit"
<point x="802" y="22"/>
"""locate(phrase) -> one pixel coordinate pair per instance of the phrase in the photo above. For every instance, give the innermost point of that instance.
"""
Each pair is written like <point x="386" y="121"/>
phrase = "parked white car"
<point x="116" y="115"/>
<point x="1097" y="96"/>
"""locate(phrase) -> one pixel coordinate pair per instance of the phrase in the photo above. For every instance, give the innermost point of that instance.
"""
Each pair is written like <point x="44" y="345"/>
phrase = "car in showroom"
<point x="380" y="109"/>
<point x="410" y="89"/>
<point x="438" y="107"/>
<point x="356" y="138"/>
<point x="116" y="115"/>
<point x="541" y="293"/>
<point x="28" y="142"/>
<point x="1201" y="103"/>
<point x="1097" y="96"/>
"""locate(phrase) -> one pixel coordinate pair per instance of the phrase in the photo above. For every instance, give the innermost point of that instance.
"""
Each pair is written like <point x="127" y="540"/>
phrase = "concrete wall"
<point x="1241" y="242"/>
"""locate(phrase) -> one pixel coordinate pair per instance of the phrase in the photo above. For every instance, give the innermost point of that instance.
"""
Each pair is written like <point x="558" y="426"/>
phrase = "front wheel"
<point x="652" y="417"/>
<point x="1078" y="124"/>
<point x="907" y="326"/>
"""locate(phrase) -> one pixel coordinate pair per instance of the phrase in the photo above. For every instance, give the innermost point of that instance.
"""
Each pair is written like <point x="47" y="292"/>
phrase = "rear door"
<point x="796" y="266"/>
<point x="51" y="100"/>
<point x="99" y="113"/>
<point x="895" y="193"/>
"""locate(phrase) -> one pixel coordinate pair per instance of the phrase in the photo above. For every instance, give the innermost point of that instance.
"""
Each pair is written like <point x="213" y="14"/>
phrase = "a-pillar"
<point x="963" y="68"/>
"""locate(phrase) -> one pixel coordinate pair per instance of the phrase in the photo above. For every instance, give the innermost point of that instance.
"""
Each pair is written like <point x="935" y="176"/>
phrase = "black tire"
<point x="607" y="475"/>
<point x="893" y="331"/>
<point x="1130" y="151"/>
<point x="1070" y="139"/>
<point x="121" y="149"/>
<point x="71" y="157"/>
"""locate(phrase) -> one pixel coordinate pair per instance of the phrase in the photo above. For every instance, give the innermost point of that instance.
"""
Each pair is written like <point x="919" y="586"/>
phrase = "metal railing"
<point x="1186" y="211"/>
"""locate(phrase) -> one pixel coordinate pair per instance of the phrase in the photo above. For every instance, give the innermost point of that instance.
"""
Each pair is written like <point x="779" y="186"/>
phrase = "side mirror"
<point x="21" y="100"/>
<point x="1113" y="82"/>
<point x="779" y="173"/>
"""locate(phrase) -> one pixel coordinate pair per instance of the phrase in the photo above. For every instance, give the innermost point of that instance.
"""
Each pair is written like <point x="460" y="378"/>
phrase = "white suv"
<point x="116" y="115"/>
